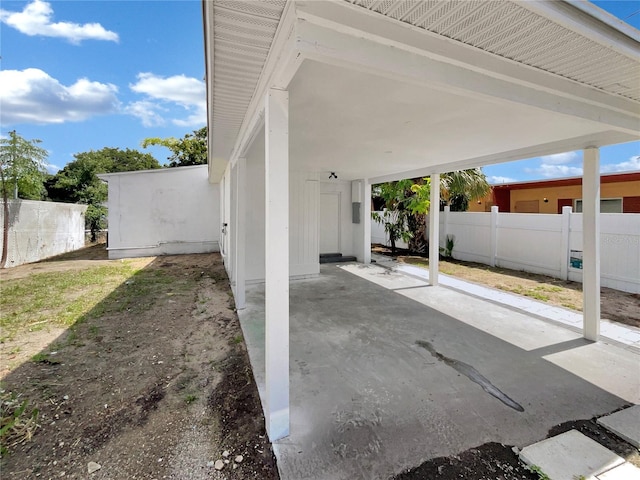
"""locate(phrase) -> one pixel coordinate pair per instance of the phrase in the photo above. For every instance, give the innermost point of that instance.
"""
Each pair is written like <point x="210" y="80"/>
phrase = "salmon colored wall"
<point x="474" y="207"/>
<point x="607" y="190"/>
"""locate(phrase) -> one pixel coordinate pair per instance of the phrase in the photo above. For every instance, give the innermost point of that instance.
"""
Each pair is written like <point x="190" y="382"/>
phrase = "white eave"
<point x="566" y="47"/>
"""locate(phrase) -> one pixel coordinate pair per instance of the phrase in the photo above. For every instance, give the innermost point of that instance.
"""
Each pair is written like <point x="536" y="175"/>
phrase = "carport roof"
<point x="567" y="65"/>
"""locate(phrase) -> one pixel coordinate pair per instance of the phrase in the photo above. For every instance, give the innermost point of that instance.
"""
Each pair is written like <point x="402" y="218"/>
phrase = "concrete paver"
<point x="625" y="424"/>
<point x="569" y="456"/>
<point x="626" y="471"/>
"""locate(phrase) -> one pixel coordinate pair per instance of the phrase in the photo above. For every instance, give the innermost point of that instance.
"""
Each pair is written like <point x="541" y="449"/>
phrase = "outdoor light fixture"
<point x="545" y="200"/>
<point x="333" y="175"/>
<point x="479" y="202"/>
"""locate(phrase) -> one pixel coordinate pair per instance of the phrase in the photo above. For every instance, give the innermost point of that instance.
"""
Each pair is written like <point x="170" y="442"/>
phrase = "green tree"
<point x="78" y="181"/>
<point x="404" y="202"/>
<point x="189" y="150"/>
<point x="22" y="173"/>
<point x="407" y="202"/>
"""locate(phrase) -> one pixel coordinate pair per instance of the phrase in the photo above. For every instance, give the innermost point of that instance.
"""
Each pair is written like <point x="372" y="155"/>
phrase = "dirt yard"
<point x="152" y="382"/>
<point x="615" y="305"/>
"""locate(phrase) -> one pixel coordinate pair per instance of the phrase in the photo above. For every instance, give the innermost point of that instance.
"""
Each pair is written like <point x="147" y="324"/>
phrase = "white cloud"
<point x="197" y="119"/>
<point x="187" y="92"/>
<point x="36" y="19"/>
<point x="632" y="164"/>
<point x="559" y="158"/>
<point x="180" y="89"/>
<point x="51" y="168"/>
<point x="496" y="179"/>
<point x="147" y="112"/>
<point x="32" y="96"/>
<point x="555" y="171"/>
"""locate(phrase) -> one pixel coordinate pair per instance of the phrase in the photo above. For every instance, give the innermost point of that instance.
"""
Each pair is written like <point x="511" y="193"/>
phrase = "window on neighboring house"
<point x="607" y="205"/>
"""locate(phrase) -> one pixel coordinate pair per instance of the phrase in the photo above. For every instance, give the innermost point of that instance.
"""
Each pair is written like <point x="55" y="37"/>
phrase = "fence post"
<point x="445" y="225"/>
<point x="494" y="235"/>
<point x="565" y="231"/>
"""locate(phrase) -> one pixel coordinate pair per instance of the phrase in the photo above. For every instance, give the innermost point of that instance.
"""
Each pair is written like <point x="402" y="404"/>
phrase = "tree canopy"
<point x="189" y="150"/>
<point x="22" y="167"/>
<point x="462" y="186"/>
<point x="22" y="172"/>
<point x="78" y="182"/>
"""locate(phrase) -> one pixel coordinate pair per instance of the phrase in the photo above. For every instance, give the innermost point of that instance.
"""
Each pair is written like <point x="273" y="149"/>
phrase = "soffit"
<point x="243" y="33"/>
<point x="511" y="30"/>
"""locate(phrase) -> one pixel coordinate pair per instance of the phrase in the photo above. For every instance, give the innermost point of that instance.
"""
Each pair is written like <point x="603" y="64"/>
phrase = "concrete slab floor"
<point x="387" y="372"/>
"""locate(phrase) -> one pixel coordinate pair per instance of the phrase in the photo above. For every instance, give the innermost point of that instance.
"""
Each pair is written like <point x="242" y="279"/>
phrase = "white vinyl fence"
<point x="38" y="230"/>
<point x="541" y="243"/>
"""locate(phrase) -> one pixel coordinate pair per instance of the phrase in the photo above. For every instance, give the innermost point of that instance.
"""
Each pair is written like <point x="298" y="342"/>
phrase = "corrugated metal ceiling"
<point x="244" y="31"/>
<point x="509" y="29"/>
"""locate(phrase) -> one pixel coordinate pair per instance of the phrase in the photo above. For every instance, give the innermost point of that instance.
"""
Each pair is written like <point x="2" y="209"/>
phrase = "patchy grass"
<point x="57" y="298"/>
<point x="18" y="420"/>
<point x="545" y="289"/>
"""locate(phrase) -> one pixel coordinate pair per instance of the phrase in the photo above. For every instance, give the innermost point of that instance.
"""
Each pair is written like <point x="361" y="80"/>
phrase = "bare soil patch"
<point x="156" y="385"/>
<point x="615" y="305"/>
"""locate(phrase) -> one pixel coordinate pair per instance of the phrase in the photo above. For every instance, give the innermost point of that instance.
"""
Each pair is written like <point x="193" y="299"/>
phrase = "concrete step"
<point x="335" y="258"/>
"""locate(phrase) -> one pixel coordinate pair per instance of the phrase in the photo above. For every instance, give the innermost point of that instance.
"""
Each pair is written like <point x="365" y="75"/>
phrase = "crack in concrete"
<point x="473" y="375"/>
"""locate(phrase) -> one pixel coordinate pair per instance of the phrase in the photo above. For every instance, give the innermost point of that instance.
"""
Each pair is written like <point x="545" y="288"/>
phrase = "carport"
<point x="302" y="92"/>
<point x="388" y="372"/>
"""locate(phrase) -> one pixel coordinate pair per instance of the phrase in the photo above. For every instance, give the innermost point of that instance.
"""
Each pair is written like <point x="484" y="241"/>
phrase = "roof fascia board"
<point x="332" y="47"/>
<point x="281" y="65"/>
<point x="578" y="143"/>
<point x="588" y="20"/>
<point x="356" y="21"/>
<point x="618" y="177"/>
<point x="106" y="176"/>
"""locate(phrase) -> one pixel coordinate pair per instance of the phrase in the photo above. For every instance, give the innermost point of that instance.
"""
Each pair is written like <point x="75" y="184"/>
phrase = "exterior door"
<point x="330" y="222"/>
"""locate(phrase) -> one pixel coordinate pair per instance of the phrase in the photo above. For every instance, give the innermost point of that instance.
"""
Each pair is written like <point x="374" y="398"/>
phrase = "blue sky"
<point x="83" y="75"/>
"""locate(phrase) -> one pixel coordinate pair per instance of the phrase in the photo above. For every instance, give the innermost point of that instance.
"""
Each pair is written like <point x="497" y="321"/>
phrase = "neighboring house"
<point x="151" y="212"/>
<point x="619" y="193"/>
<point x="300" y="92"/>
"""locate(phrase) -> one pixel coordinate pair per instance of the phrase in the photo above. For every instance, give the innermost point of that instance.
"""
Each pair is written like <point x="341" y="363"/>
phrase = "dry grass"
<point x="615" y="305"/>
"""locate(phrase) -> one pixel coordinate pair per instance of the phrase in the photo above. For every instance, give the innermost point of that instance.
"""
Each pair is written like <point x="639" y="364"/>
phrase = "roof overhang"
<point x="377" y="97"/>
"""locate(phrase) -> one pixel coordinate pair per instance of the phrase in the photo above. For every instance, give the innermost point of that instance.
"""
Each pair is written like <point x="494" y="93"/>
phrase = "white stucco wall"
<point x="39" y="230"/>
<point x="162" y="212"/>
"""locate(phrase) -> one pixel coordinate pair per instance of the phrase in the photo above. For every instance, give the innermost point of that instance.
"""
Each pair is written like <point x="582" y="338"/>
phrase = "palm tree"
<point x="458" y="188"/>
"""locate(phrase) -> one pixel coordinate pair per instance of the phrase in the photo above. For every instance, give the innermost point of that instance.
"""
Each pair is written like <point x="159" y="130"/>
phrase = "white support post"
<point x="233" y="225"/>
<point x="564" y="246"/>
<point x="591" y="243"/>
<point x="277" y="263"/>
<point x="494" y="235"/>
<point x="366" y="220"/>
<point x="434" y="229"/>
<point x="240" y="236"/>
